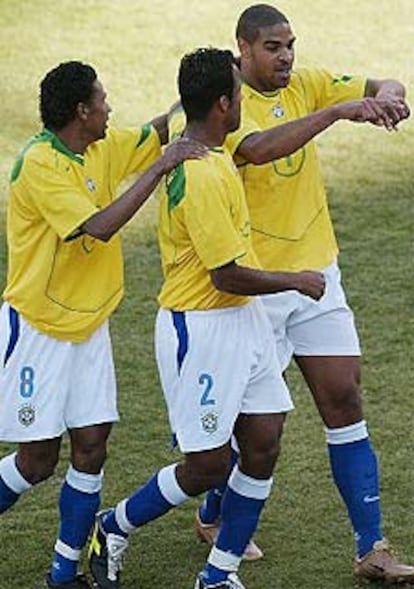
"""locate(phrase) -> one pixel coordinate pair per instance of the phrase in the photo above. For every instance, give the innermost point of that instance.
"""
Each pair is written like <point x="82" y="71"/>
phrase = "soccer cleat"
<point x="79" y="582"/>
<point x="381" y="564"/>
<point x="232" y="582"/>
<point x="208" y="533"/>
<point x="105" y="556"/>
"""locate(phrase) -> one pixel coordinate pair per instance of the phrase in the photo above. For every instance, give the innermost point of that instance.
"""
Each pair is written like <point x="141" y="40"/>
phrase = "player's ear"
<point x="82" y="110"/>
<point x="244" y="48"/>
<point x="224" y="103"/>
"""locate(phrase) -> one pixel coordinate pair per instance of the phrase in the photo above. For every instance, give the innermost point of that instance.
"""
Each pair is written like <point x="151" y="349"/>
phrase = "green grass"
<point x="135" y="47"/>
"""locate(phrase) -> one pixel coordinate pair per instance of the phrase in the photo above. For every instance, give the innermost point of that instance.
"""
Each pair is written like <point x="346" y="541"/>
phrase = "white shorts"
<point x="304" y="327"/>
<point x="48" y="386"/>
<point x="214" y="365"/>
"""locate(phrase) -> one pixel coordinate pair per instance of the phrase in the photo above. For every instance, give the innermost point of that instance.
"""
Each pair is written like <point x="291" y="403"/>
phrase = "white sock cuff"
<point x="348" y="434"/>
<point x="12" y="476"/>
<point x="248" y="486"/>
<point x="67" y="551"/>
<point x="121" y="517"/>
<point x="83" y="481"/>
<point x="225" y="561"/>
<point x="169" y="487"/>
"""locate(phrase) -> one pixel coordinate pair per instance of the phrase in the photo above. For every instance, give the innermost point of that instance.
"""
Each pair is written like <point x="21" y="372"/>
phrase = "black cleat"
<point x="79" y="582"/>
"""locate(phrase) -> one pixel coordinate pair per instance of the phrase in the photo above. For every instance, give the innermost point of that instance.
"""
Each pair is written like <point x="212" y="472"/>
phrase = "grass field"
<point x="135" y="46"/>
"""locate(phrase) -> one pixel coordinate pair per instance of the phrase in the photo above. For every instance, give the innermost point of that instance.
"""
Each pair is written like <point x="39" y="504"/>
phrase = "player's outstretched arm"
<point x="108" y="221"/>
<point x="242" y="280"/>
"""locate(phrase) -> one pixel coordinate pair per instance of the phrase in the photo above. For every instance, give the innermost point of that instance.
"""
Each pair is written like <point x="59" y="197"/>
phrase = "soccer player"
<point x="292" y="230"/>
<point x="217" y="362"/>
<point x="65" y="278"/>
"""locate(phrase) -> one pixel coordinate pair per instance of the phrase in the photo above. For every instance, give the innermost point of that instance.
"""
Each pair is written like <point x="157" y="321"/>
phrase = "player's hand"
<point x="385" y="111"/>
<point x="396" y="108"/>
<point x="182" y="149"/>
<point x="311" y="283"/>
<point x="365" y="110"/>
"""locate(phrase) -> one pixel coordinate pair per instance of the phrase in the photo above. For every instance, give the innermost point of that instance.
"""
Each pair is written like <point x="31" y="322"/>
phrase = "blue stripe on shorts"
<point x="182" y="334"/>
<point x="14" y="333"/>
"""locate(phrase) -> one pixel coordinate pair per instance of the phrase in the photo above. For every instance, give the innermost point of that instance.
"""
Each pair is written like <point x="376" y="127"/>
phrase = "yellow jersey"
<point x="203" y="225"/>
<point x="291" y="224"/>
<point x="66" y="286"/>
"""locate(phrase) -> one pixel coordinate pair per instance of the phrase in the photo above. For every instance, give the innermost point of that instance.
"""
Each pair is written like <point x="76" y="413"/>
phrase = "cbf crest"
<point x="90" y="184"/>
<point x="209" y="422"/>
<point x="278" y="111"/>
<point x="26" y="414"/>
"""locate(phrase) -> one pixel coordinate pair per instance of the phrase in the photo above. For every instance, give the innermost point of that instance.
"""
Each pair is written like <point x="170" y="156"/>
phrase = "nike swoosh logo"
<point x="371" y="498"/>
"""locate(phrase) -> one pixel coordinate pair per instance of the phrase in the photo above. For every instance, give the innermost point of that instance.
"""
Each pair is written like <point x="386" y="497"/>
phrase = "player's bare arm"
<point x="265" y="146"/>
<point x="105" y="223"/>
<point x="160" y="124"/>
<point x="242" y="280"/>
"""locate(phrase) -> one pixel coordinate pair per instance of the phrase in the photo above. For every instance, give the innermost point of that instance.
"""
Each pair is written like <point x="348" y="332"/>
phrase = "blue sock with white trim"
<point x="79" y="501"/>
<point x="355" y="471"/>
<point x="210" y="509"/>
<point x="157" y="496"/>
<point x="12" y="483"/>
<point x="243" y="502"/>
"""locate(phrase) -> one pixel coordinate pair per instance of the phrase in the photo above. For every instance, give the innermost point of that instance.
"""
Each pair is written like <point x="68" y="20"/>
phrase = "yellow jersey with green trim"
<point x="203" y="225"/>
<point x="67" y="285"/>
<point x="291" y="224"/>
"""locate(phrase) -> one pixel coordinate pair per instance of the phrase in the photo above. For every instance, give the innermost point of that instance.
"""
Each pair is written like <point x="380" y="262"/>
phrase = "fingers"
<point x="183" y="149"/>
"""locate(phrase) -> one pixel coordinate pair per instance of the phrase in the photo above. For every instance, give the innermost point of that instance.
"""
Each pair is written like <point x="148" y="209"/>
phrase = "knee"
<point x="343" y="404"/>
<point x="89" y="456"/>
<point x="203" y="472"/>
<point x="36" y="466"/>
<point x="260" y="459"/>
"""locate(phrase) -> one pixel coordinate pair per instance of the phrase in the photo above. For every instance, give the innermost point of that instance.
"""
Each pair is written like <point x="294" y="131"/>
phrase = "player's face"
<point x="269" y="60"/>
<point x="97" y="111"/>
<point x="234" y="111"/>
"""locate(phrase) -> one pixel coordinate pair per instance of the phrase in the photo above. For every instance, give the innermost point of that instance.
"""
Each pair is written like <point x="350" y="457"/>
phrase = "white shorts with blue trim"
<point x="48" y="386"/>
<point x="214" y="365"/>
<point x="305" y="327"/>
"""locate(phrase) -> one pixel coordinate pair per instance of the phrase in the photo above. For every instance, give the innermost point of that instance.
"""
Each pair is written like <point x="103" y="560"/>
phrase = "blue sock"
<point x="7" y="496"/>
<point x="78" y="504"/>
<point x="210" y="509"/>
<point x="12" y="483"/>
<point x="355" y="471"/>
<point x="243" y="502"/>
<point x="157" y="496"/>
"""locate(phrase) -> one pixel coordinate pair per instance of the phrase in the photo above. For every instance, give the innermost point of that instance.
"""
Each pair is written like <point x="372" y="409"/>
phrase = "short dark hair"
<point x="257" y="17"/>
<point x="62" y="89"/>
<point x="204" y="76"/>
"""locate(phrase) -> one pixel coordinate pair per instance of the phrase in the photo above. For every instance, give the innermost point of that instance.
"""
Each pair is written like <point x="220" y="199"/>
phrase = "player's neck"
<point x="205" y="134"/>
<point x="249" y="78"/>
<point x="74" y="139"/>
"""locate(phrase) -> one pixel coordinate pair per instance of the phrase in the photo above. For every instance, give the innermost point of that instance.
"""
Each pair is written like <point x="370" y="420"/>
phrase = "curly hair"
<point x="256" y="17"/>
<point x="204" y="76"/>
<point x="62" y="89"/>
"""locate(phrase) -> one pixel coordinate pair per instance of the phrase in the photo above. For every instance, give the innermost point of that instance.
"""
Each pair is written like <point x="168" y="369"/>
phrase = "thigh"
<point x="335" y="385"/>
<point x="266" y="390"/>
<point x="92" y="397"/>
<point x="279" y="309"/>
<point x="203" y="373"/>
<point x="34" y="379"/>
<point x="325" y="327"/>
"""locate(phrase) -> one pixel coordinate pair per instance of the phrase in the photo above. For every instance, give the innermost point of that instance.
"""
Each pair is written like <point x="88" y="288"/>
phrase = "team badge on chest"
<point x="90" y="184"/>
<point x="278" y="111"/>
